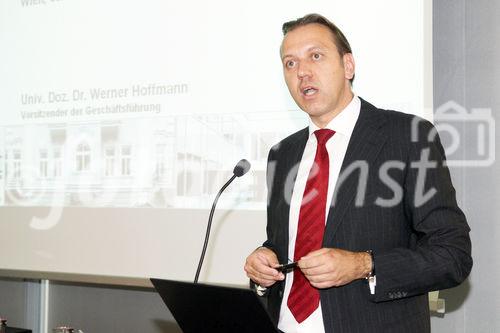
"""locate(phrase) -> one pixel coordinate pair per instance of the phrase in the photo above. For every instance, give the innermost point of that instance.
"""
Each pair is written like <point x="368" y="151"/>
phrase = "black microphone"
<point x="241" y="168"/>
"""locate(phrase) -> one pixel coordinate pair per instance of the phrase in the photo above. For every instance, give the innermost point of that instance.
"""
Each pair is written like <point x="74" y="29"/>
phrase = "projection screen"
<point x="120" y="120"/>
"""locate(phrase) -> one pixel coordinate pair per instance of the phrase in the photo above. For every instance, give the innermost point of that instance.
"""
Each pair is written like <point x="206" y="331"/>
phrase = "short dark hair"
<point x="341" y="42"/>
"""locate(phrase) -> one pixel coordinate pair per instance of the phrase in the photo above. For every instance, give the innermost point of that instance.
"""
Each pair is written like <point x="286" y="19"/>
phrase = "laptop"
<point x="202" y="308"/>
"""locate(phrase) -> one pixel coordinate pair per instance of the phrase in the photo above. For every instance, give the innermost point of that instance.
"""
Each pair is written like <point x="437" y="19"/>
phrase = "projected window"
<point x="161" y="166"/>
<point x="16" y="164"/>
<point x="57" y="162"/>
<point x="126" y="155"/>
<point x="165" y="163"/>
<point x="7" y="164"/>
<point x="109" y="161"/>
<point x="83" y="157"/>
<point x="2" y="163"/>
<point x="43" y="164"/>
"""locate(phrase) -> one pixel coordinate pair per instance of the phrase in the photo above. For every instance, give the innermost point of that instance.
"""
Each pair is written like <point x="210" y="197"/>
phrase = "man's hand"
<point x="260" y="267"/>
<point x="327" y="268"/>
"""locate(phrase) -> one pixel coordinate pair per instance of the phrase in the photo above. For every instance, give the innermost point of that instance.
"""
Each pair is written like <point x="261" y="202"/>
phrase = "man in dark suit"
<point x="361" y="199"/>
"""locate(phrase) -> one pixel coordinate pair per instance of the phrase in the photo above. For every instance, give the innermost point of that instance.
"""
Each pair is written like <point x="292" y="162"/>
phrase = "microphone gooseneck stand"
<point x="240" y="169"/>
<point x="209" y="226"/>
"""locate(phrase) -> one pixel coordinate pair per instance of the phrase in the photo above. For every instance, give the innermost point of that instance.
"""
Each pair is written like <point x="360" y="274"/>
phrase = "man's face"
<point x="316" y="76"/>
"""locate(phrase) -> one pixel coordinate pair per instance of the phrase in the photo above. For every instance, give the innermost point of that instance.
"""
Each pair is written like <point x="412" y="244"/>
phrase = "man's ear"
<point x="349" y="66"/>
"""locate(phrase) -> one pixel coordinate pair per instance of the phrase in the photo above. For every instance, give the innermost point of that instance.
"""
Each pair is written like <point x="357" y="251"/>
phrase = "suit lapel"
<point x="366" y="142"/>
<point x="292" y="155"/>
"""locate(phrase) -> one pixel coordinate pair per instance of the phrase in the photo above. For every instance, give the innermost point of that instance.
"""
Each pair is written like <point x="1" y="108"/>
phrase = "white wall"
<point x="467" y="70"/>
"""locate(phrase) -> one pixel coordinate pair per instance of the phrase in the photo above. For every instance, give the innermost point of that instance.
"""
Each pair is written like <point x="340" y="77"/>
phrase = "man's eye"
<point x="316" y="56"/>
<point x="290" y="64"/>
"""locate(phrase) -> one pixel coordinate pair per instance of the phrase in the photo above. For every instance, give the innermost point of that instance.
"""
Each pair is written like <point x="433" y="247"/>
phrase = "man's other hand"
<point x="260" y="267"/>
<point x="325" y="268"/>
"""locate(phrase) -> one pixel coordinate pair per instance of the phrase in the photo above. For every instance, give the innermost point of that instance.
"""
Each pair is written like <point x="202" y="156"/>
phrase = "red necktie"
<point x="304" y="298"/>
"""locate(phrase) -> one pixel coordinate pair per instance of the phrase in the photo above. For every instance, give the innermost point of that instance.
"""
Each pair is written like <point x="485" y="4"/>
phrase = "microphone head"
<point x="241" y="168"/>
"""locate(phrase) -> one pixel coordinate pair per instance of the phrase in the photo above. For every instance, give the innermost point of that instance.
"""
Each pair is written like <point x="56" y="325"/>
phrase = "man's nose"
<point x="303" y="70"/>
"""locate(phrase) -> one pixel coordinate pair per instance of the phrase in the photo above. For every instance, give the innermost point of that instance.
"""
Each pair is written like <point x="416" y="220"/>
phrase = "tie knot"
<point x="323" y="135"/>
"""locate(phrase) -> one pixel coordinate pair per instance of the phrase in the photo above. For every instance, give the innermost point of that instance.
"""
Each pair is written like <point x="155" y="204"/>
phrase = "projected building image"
<point x="177" y="161"/>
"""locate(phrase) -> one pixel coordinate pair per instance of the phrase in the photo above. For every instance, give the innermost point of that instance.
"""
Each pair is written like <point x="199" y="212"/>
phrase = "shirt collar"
<point x="344" y="122"/>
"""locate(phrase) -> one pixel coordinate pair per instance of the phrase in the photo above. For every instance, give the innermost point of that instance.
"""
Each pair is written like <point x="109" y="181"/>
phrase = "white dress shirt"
<point x="342" y="124"/>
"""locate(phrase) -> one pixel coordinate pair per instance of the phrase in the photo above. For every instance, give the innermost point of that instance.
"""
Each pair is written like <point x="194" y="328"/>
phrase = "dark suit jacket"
<point x="418" y="245"/>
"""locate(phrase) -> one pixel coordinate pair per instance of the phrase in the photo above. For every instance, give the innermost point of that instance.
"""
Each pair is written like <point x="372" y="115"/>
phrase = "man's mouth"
<point x="309" y="91"/>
